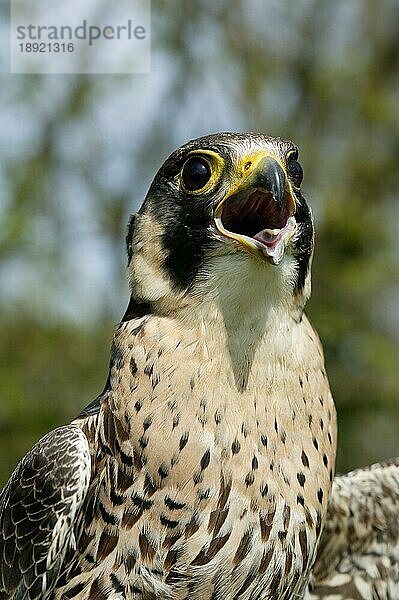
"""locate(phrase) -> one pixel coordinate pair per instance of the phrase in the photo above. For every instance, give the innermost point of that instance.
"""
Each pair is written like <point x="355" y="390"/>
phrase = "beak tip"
<point x="271" y="177"/>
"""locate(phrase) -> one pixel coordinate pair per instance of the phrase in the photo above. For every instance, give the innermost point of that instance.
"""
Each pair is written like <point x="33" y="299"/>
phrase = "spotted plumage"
<point x="203" y="470"/>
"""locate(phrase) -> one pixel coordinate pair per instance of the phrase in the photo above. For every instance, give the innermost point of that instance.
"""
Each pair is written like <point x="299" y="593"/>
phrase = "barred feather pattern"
<point x="358" y="556"/>
<point x="38" y="508"/>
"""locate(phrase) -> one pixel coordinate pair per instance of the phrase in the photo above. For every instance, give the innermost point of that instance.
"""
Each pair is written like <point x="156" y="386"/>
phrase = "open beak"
<point x="259" y="214"/>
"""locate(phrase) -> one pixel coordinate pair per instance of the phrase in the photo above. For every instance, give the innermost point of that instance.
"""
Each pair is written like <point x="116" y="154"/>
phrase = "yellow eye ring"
<point x="201" y="171"/>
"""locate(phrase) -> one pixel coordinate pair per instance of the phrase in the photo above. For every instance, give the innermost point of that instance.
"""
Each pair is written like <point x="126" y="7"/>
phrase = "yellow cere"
<point x="245" y="168"/>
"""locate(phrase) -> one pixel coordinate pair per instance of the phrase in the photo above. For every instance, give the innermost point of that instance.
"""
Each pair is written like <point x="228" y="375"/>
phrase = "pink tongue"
<point x="265" y="237"/>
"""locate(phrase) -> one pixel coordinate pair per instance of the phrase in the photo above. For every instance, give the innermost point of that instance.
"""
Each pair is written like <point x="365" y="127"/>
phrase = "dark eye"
<point x="196" y="173"/>
<point x="294" y="169"/>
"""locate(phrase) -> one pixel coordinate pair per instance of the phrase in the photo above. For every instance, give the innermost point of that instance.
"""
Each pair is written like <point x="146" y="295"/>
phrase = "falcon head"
<point x="224" y="212"/>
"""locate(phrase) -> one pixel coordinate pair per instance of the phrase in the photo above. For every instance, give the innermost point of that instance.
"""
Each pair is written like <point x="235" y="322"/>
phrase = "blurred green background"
<point x="77" y="154"/>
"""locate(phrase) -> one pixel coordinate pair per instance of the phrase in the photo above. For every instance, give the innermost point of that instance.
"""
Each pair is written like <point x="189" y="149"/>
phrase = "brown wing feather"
<point x="358" y="555"/>
<point x="37" y="510"/>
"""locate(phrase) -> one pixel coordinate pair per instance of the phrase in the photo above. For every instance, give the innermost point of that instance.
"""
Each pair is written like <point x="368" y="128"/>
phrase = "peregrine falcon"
<point x="204" y="468"/>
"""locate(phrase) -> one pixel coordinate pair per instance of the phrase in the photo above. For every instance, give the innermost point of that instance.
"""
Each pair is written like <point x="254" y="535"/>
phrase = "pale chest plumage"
<point x="212" y="466"/>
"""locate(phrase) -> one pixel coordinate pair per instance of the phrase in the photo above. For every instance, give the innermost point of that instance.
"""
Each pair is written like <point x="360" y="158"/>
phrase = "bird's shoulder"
<point x="38" y="506"/>
<point x="359" y="550"/>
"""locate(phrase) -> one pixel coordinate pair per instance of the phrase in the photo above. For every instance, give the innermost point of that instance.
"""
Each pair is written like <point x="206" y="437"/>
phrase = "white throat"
<point x="245" y="304"/>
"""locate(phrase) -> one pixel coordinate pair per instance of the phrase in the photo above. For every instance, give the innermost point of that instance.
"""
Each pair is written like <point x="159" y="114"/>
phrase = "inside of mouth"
<point x="256" y="215"/>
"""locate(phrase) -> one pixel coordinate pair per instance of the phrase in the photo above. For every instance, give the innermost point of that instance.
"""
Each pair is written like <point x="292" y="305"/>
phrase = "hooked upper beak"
<point x="269" y="176"/>
<point x="258" y="213"/>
